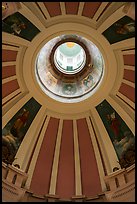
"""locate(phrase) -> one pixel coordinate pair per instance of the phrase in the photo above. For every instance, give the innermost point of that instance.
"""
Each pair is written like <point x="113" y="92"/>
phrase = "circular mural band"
<point x="61" y="79"/>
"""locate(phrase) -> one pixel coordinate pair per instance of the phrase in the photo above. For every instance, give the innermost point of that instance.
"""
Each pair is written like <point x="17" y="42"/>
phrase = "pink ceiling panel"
<point x="72" y="7"/>
<point x="89" y="171"/>
<point x="8" y="71"/>
<point x="129" y="59"/>
<point x="90" y="8"/>
<point x="41" y="177"/>
<point x="53" y="8"/>
<point x="66" y="172"/>
<point x="8" y="55"/>
<point x="9" y="87"/>
<point x="127" y="91"/>
<point x="129" y="75"/>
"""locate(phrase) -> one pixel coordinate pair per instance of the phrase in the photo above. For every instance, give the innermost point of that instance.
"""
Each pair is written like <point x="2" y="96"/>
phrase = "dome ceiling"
<point x="68" y="125"/>
<point x="86" y="75"/>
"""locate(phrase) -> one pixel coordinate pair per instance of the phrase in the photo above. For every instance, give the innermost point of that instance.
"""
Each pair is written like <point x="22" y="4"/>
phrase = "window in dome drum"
<point x="69" y="68"/>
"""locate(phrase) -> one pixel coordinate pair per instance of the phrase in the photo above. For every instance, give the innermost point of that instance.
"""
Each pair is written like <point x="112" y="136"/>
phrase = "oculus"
<point x="69" y="68"/>
<point x="69" y="58"/>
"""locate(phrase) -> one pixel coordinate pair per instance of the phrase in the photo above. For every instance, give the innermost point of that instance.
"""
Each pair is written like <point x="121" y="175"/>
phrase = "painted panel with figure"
<point x="18" y="25"/>
<point x="121" y="136"/>
<point x="120" y="30"/>
<point x="15" y="130"/>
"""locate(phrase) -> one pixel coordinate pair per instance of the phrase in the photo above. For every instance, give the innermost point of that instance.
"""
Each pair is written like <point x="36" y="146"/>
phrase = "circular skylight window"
<point x="69" y="69"/>
<point x="69" y="58"/>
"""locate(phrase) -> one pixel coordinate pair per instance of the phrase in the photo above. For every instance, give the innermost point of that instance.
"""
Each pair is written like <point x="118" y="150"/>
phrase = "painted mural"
<point x="120" y="30"/>
<point x="15" y="130"/>
<point x="88" y="82"/>
<point x="18" y="25"/>
<point x="121" y="136"/>
<point x="65" y="88"/>
<point x="69" y="88"/>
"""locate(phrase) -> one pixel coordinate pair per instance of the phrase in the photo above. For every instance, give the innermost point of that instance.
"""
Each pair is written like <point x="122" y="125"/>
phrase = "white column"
<point x="97" y="154"/>
<point x="53" y="180"/>
<point x="78" y="186"/>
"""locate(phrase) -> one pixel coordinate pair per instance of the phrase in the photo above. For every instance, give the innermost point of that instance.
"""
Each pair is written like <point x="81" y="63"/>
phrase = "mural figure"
<point x="122" y="29"/>
<point x="69" y="89"/>
<point x="122" y="138"/>
<point x="126" y="28"/>
<point x="17" y="24"/>
<point x="14" y="25"/>
<point x="15" y="130"/>
<point x="88" y="81"/>
<point x="114" y="124"/>
<point x="19" y="123"/>
<point x="12" y="140"/>
<point x="18" y="27"/>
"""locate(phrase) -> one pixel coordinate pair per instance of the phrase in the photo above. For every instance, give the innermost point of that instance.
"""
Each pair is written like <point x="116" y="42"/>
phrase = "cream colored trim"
<point x="124" y="44"/>
<point x="120" y="71"/>
<point x="12" y="102"/>
<point x="70" y="18"/>
<point x="132" y="68"/>
<point x="129" y="9"/>
<point x="19" y="71"/>
<point x="131" y="103"/>
<point x="128" y="52"/>
<point x="127" y="119"/>
<point x="97" y="155"/>
<point x="111" y="19"/>
<point x="54" y="173"/>
<point x="80" y="9"/>
<point x="44" y="9"/>
<point x="26" y="148"/>
<point x="26" y="12"/>
<point x="14" y="108"/>
<point x="36" y="11"/>
<point x="125" y="106"/>
<point x="5" y="99"/>
<point x="102" y="89"/>
<point x="78" y="183"/>
<point x="129" y="83"/>
<point x="8" y="47"/>
<point x="9" y="79"/>
<point x="67" y="116"/>
<point x="36" y="153"/>
<point x="100" y="9"/>
<point x="14" y="40"/>
<point x="106" y="146"/>
<point x="63" y="8"/>
<point x="5" y="64"/>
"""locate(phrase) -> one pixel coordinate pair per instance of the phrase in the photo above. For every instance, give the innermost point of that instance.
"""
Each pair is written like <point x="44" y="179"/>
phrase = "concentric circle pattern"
<point x="69" y="58"/>
<point x="62" y="88"/>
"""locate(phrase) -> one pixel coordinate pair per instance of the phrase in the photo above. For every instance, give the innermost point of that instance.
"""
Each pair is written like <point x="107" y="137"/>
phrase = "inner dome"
<point x="69" y="58"/>
<point x="66" y="81"/>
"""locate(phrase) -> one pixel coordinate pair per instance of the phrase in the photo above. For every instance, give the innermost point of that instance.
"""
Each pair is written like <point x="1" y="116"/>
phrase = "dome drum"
<point x="65" y="84"/>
